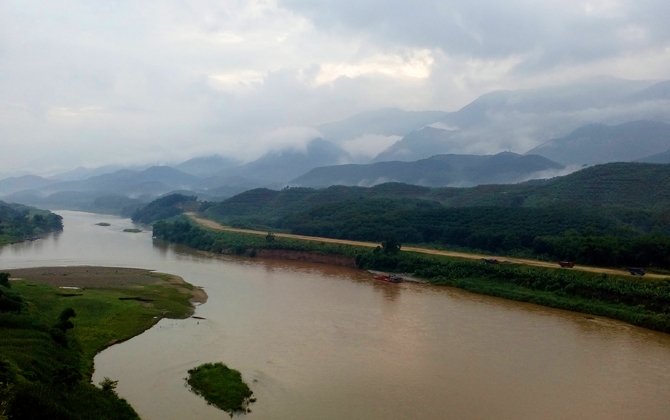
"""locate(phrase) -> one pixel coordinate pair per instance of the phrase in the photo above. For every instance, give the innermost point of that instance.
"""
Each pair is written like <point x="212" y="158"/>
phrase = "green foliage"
<point x="182" y="231"/>
<point x="18" y="222"/>
<point x="52" y="380"/>
<point x="64" y="324"/>
<point x="606" y="237"/>
<point x="391" y="245"/>
<point x="551" y="220"/>
<point x="6" y="398"/>
<point x="9" y="302"/>
<point x="108" y="385"/>
<point x="162" y="208"/>
<point x="4" y="280"/>
<point x="270" y="237"/>
<point x="221" y="387"/>
<point x="619" y="185"/>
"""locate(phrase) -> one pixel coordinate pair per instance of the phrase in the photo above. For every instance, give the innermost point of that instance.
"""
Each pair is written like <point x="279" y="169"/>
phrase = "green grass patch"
<point x="49" y="370"/>
<point x="162" y="276"/>
<point x="103" y="224"/>
<point x="221" y="387"/>
<point x="134" y="230"/>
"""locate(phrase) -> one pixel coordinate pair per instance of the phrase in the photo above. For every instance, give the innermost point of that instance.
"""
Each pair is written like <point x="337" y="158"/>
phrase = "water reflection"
<point x="389" y="291"/>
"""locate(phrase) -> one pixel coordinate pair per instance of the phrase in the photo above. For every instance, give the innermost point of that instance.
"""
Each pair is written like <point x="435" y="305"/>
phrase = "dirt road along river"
<point x="533" y="263"/>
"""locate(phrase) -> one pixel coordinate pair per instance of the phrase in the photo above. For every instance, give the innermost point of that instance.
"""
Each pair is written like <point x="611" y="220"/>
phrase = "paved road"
<point x="213" y="225"/>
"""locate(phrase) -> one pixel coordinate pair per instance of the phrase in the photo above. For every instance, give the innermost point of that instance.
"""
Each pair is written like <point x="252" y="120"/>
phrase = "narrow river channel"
<point x="321" y="342"/>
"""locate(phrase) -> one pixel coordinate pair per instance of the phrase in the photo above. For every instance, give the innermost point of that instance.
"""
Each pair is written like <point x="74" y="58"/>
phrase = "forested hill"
<point x="611" y="215"/>
<point x="631" y="185"/>
<point x="18" y="222"/>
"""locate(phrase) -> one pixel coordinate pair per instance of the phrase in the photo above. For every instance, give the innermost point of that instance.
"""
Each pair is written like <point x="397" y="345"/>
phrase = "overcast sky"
<point x="97" y="82"/>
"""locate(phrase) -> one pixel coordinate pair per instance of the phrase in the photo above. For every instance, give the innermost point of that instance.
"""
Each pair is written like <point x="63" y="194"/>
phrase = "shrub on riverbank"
<point x="221" y="387"/>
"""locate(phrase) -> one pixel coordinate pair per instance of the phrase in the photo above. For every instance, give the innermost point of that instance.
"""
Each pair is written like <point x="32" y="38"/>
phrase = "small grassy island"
<point x="221" y="387"/>
<point x="103" y="224"/>
<point x="54" y="320"/>
<point x="134" y="230"/>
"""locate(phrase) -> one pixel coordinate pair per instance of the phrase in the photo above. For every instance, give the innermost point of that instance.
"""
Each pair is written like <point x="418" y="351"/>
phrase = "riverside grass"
<point x="221" y="387"/>
<point x="638" y="301"/>
<point x="52" y="380"/>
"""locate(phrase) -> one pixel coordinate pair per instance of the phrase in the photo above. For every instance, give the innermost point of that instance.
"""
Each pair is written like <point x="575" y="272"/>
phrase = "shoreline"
<point x="63" y="317"/>
<point x="644" y="302"/>
<point x="111" y="280"/>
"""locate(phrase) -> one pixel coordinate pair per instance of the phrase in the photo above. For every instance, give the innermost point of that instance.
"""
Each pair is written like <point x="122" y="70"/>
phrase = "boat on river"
<point x="391" y="278"/>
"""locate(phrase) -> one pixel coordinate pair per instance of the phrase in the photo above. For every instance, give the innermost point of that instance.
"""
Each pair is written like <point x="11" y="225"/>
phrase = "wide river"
<point x="320" y="342"/>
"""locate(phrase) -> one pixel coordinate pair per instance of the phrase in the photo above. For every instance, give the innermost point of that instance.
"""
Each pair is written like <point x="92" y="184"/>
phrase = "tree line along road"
<point x="214" y="225"/>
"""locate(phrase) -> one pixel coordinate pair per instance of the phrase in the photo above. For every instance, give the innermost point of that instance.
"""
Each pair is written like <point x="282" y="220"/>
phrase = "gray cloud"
<point x="159" y="81"/>
<point x="550" y="32"/>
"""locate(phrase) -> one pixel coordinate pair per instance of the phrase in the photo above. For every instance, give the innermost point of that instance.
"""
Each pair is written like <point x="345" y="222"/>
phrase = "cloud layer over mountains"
<point x="94" y="83"/>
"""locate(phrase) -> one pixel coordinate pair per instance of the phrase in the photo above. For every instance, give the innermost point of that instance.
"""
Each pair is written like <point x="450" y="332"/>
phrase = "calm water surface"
<point x="317" y="342"/>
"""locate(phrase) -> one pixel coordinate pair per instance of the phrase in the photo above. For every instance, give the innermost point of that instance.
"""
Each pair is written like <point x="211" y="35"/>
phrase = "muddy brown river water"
<point x="321" y="342"/>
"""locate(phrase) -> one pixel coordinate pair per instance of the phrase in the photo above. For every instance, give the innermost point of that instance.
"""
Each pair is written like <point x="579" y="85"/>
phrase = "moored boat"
<point x="394" y="278"/>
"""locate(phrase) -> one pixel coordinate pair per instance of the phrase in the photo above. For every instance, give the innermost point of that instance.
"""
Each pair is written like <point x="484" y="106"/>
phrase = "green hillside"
<point x="615" y="214"/>
<point x="632" y="185"/>
<point x="18" y="222"/>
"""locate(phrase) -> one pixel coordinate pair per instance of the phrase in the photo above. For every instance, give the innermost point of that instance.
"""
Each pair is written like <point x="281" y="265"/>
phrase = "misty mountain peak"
<point x="419" y="144"/>
<point x="601" y="143"/>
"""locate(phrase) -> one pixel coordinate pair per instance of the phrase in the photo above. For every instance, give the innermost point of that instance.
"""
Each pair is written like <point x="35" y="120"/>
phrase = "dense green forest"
<point x="18" y="222"/>
<point x="608" y="215"/>
<point x="597" y="236"/>
<point x="630" y="185"/>
<point x="640" y="302"/>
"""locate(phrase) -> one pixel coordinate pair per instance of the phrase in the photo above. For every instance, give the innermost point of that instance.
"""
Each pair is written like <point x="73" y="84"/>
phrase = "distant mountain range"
<point x="81" y="173"/>
<point x="207" y="165"/>
<point x="518" y="120"/>
<point x="436" y="171"/>
<point x="587" y="123"/>
<point x="662" y="158"/>
<point x="600" y="143"/>
<point x="420" y="144"/>
<point x="282" y="166"/>
<point x="25" y="182"/>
